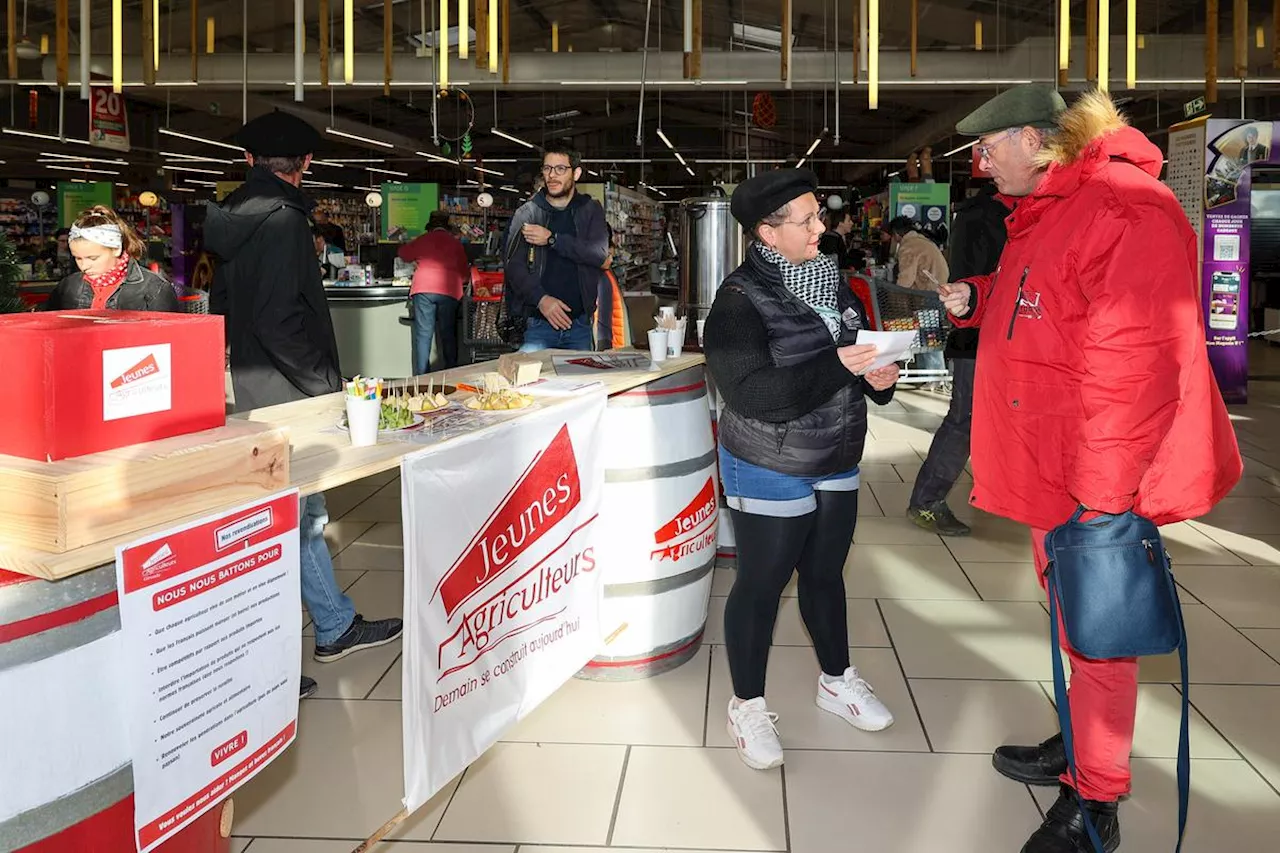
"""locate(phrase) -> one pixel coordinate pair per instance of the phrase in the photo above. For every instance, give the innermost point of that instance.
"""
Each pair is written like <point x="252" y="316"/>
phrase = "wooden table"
<point x="322" y="458"/>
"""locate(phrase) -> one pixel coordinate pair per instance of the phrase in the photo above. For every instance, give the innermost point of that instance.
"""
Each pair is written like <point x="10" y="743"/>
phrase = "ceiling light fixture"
<point x="182" y="190"/>
<point x="167" y="132"/>
<point x="562" y="115"/>
<point x="386" y="171"/>
<point x="517" y="139"/>
<point x="681" y="159"/>
<point x="202" y="183"/>
<point x="436" y="157"/>
<point x="320" y="184"/>
<point x="666" y="141"/>
<point x="813" y="147"/>
<point x="192" y="170"/>
<point x="345" y="162"/>
<point x="690" y="171"/>
<point x="356" y="137"/>
<point x="873" y="54"/>
<point x="73" y="158"/>
<point x="30" y="134"/>
<point x="80" y="169"/>
<point x="509" y="190"/>
<point x="964" y="147"/>
<point x="800" y="165"/>
<point x="491" y="171"/>
<point x="193" y="158"/>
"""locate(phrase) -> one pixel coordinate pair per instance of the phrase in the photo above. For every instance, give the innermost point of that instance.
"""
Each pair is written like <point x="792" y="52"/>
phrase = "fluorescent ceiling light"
<point x="368" y="189"/>
<point x="800" y="165"/>
<point x="181" y="190"/>
<point x="387" y="172"/>
<point x="356" y="137"/>
<point x="451" y="38"/>
<point x="510" y="190"/>
<point x="813" y="147"/>
<point x="497" y="132"/>
<point x="491" y="171"/>
<point x="666" y="141"/>
<point x="193" y="158"/>
<point x="560" y="116"/>
<point x="81" y="169"/>
<point x="346" y="161"/>
<point x="30" y="134"/>
<point x="167" y="132"/>
<point x="436" y="157"/>
<point x="681" y="159"/>
<point x="202" y="183"/>
<point x="759" y="37"/>
<point x="71" y="158"/>
<point x="192" y="170"/>
<point x="473" y="183"/>
<point x="593" y="172"/>
<point x="964" y="147"/>
<point x="320" y="184"/>
<point x="690" y="171"/>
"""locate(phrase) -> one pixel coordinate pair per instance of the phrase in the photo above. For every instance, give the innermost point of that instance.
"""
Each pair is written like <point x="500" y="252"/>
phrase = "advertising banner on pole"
<point x="929" y="205"/>
<point x="108" y="119"/>
<point x="75" y="199"/>
<point x="501" y="592"/>
<point x="212" y="656"/>
<point x="406" y="209"/>
<point x="1231" y="148"/>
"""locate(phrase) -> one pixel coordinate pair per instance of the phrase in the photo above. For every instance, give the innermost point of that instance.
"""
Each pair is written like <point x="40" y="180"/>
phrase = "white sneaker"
<point x="852" y="699"/>
<point x="752" y="727"/>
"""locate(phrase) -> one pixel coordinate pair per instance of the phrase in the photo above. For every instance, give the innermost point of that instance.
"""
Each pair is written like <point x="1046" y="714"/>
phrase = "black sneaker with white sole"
<point x="361" y="635"/>
<point x="308" y="688"/>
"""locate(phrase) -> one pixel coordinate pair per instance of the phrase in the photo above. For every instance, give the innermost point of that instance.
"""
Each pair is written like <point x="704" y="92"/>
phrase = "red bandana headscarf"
<point x="105" y="285"/>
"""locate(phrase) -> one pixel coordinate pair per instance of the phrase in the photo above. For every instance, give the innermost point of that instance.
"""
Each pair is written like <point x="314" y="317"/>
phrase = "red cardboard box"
<point x="78" y="382"/>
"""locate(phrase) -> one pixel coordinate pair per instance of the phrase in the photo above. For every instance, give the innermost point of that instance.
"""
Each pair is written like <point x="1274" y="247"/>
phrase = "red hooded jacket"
<point x="1093" y="381"/>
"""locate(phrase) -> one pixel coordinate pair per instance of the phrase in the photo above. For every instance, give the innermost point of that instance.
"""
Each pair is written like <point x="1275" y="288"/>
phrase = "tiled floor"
<point x="953" y="635"/>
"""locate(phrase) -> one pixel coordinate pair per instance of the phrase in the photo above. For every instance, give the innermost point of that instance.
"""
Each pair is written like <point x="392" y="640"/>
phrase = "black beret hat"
<point x="760" y="196"/>
<point x="1030" y="105"/>
<point x="278" y="134"/>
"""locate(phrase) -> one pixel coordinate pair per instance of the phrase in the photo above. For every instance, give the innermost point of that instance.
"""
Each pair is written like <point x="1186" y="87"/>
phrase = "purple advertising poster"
<point x="1231" y="148"/>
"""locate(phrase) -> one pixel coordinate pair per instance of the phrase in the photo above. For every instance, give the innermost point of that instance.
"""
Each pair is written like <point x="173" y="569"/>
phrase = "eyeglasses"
<point x="808" y="223"/>
<point x="984" y="151"/>
<point x="557" y="170"/>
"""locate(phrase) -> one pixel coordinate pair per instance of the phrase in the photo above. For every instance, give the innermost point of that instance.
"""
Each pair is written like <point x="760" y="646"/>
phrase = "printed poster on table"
<point x="108" y="119"/>
<point x="212" y="651"/>
<point x="501" y="589"/>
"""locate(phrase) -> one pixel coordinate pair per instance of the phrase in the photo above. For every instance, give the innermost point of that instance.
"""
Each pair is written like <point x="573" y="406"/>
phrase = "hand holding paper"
<point x="891" y="347"/>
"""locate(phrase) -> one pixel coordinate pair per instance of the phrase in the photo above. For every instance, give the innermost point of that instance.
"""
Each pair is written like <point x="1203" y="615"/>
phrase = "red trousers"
<point x="1104" y="701"/>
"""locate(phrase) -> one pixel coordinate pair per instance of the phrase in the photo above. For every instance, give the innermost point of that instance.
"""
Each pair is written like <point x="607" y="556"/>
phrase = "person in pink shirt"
<point x="442" y="269"/>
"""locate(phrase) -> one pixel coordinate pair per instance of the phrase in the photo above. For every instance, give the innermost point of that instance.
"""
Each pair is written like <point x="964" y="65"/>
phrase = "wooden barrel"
<point x="726" y="548"/>
<point x="658" y="523"/>
<point x="66" y="784"/>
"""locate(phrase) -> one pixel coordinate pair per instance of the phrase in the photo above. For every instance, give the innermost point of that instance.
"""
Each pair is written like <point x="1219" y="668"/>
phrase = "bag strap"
<point x="1064" y="720"/>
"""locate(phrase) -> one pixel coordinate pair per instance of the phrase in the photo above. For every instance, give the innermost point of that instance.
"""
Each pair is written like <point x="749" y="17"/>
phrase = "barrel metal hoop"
<point x="681" y="468"/>
<point x="659" y="585"/>
<point x="51" y="818"/>
<point x="670" y="397"/>
<point x="55" y="641"/>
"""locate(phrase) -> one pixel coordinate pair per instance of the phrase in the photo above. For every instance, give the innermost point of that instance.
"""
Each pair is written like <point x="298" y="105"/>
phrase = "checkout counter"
<point x="371" y="325"/>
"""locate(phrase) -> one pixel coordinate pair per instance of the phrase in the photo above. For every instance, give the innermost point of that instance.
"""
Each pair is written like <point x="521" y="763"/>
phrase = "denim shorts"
<point x="760" y="491"/>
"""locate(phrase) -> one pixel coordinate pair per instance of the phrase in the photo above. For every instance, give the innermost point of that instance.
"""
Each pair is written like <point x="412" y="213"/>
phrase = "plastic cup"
<point x="667" y="311"/>
<point x="675" y="341"/>
<point x="658" y="345"/>
<point x="362" y="421"/>
<point x="702" y="325"/>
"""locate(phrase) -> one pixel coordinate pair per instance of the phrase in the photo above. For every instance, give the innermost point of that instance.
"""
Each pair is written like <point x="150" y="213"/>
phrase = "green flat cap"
<point x="1032" y="105"/>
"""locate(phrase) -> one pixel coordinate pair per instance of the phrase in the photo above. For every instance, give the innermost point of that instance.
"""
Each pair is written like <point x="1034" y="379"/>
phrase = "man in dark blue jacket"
<point x="555" y="247"/>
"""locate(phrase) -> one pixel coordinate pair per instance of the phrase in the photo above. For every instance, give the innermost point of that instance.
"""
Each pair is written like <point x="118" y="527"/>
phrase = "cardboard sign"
<point x="502" y="592"/>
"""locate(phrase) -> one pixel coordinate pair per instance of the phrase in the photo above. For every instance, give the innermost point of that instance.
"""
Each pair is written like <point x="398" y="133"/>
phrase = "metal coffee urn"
<point x="711" y="247"/>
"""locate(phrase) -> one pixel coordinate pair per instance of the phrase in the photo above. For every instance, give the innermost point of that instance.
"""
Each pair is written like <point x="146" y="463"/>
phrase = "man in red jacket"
<point x="1093" y="387"/>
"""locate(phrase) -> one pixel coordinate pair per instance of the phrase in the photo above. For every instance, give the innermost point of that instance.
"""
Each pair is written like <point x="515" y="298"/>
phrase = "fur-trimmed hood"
<point x="1093" y="129"/>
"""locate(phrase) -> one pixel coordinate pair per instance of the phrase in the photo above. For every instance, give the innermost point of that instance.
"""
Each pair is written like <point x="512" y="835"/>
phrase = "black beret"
<point x="1030" y="105"/>
<point x="278" y="134"/>
<point x="760" y="196"/>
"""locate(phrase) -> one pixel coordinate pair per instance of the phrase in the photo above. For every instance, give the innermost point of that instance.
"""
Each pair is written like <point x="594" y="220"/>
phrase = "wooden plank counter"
<point x="321" y="458"/>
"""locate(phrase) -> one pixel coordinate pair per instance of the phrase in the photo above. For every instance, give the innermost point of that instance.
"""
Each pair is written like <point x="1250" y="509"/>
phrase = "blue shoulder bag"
<point x="1111" y="579"/>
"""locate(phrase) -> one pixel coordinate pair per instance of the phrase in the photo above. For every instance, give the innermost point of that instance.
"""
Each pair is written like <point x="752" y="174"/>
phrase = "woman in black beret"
<point x="779" y="343"/>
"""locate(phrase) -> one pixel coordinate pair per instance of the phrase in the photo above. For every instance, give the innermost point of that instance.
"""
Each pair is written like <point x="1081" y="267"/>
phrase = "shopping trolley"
<point x="902" y="309"/>
<point x="482" y="310"/>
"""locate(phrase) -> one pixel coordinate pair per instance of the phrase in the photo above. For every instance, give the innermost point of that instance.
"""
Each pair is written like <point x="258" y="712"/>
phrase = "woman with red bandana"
<point x="107" y="250"/>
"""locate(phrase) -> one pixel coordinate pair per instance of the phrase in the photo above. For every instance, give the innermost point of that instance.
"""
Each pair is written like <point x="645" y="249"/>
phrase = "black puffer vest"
<point x="828" y="440"/>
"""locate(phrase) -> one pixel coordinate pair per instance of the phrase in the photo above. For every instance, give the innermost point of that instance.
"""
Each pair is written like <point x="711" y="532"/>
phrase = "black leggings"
<point x="769" y="550"/>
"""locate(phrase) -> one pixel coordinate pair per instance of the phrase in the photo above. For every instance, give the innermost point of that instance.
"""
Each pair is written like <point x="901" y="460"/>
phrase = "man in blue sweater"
<point x="555" y="247"/>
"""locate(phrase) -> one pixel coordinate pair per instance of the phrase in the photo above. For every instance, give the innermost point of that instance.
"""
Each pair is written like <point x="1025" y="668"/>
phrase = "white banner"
<point x="501" y="595"/>
<point x="212" y="653"/>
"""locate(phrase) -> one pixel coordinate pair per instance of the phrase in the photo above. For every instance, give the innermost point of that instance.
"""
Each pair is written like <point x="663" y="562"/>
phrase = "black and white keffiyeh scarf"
<point x="815" y="283"/>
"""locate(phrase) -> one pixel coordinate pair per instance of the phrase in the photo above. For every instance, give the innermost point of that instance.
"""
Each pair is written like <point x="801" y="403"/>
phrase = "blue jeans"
<point x="762" y="491"/>
<point x="539" y="335"/>
<point x="432" y="311"/>
<point x="331" y="610"/>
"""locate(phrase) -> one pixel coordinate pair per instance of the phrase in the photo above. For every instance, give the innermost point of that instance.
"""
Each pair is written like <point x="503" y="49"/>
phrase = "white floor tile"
<point x="682" y="798"/>
<point x="905" y="571"/>
<point x="340" y="534"/>
<point x="540" y="794"/>
<point x="1246" y="596"/>
<point x="1247" y="717"/>
<point x="879" y="472"/>
<point x="892" y="531"/>
<point x="1219" y="654"/>
<point x="297" y="845"/>
<point x="667" y="710"/>
<point x="876" y="801"/>
<point x="351" y="677"/>
<point x="1231" y="809"/>
<point x="978" y="716"/>
<point x="1194" y="544"/>
<point x="792" y="688"/>
<point x="1005" y="581"/>
<point x="1267" y="639"/>
<point x="1255" y="549"/>
<point x="970" y="639"/>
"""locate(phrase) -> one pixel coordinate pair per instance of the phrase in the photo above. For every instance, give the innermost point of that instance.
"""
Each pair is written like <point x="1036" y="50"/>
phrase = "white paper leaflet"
<point x="502" y="596"/>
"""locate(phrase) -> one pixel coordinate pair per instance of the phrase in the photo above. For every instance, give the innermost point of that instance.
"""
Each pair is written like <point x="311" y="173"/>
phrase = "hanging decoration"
<point x="466" y="144"/>
<point x="763" y="110"/>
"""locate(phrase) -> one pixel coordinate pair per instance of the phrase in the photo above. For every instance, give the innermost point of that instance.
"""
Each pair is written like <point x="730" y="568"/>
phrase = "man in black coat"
<point x="283" y="349"/>
<point x="977" y="239"/>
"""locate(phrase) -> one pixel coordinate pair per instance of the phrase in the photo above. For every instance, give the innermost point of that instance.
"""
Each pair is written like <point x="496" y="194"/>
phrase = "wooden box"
<point x="61" y="506"/>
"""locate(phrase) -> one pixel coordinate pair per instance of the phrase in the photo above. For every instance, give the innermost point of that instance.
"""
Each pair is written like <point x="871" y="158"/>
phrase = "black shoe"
<point x="1063" y="830"/>
<point x="938" y="518"/>
<point x="308" y="689"/>
<point x="1032" y="765"/>
<point x="361" y="635"/>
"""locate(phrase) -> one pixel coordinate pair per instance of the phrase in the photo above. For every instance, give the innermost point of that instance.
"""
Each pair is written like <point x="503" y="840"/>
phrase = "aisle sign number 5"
<point x="108" y="122"/>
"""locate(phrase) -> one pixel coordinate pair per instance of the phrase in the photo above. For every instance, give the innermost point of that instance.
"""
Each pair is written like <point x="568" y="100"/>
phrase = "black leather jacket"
<point x="142" y="290"/>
